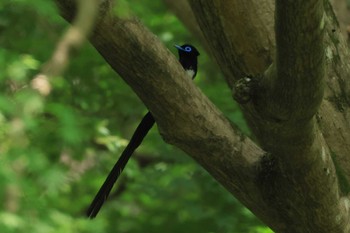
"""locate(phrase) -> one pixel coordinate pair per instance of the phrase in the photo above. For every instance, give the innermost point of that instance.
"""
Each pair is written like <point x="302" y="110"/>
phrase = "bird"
<point x="188" y="59"/>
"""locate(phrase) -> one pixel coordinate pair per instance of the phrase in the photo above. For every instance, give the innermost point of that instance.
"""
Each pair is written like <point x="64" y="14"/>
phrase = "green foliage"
<point x="56" y="151"/>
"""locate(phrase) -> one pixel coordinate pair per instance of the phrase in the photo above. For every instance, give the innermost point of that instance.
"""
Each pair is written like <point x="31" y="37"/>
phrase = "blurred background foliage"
<point x="55" y="152"/>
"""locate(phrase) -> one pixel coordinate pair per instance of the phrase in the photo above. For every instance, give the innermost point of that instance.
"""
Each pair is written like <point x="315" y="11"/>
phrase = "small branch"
<point x="71" y="40"/>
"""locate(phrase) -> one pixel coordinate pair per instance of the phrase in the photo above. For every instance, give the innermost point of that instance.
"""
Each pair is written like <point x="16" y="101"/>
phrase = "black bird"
<point x="188" y="59"/>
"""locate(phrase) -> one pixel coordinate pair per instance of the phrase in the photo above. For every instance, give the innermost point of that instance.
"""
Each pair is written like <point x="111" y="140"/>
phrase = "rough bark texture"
<point x="342" y="10"/>
<point x="282" y="115"/>
<point x="334" y="114"/>
<point x="299" y="116"/>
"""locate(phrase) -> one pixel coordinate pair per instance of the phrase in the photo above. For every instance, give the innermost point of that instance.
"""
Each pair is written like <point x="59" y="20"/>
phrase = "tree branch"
<point x="256" y="17"/>
<point x="288" y="133"/>
<point x="72" y="39"/>
<point x="247" y="46"/>
<point x="342" y="10"/>
<point x="334" y="113"/>
<point x="300" y="59"/>
<point x="286" y="108"/>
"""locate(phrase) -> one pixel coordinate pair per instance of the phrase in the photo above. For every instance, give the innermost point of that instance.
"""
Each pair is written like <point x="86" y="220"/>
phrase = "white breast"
<point x="190" y="73"/>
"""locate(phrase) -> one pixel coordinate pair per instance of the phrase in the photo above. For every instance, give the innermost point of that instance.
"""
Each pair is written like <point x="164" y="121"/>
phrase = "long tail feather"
<point x="136" y="139"/>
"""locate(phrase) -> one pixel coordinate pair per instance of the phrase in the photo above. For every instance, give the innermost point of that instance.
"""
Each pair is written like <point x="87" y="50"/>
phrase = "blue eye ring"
<point x="188" y="49"/>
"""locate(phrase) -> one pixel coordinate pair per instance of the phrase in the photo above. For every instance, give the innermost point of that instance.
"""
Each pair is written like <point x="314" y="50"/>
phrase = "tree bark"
<point x="342" y="10"/>
<point x="299" y="115"/>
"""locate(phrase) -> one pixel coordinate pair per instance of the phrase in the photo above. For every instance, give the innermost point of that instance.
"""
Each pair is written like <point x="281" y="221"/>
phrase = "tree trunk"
<point x="295" y="175"/>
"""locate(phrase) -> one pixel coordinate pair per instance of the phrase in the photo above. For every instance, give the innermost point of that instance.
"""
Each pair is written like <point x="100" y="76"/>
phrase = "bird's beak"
<point x="179" y="47"/>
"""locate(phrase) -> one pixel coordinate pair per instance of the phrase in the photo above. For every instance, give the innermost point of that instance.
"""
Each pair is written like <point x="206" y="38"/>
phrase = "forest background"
<point x="57" y="149"/>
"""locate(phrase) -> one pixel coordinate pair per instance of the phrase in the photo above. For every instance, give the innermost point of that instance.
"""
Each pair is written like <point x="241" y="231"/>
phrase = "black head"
<point x="187" y="50"/>
<point x="188" y="58"/>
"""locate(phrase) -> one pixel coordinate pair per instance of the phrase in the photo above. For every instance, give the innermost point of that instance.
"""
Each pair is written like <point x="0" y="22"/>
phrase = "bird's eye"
<point x="188" y="49"/>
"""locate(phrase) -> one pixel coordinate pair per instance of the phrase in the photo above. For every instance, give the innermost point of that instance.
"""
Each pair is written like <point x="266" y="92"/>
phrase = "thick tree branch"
<point x="290" y="134"/>
<point x="300" y="59"/>
<point x="293" y="97"/>
<point x="334" y="114"/>
<point x="293" y="88"/>
<point x="249" y="41"/>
